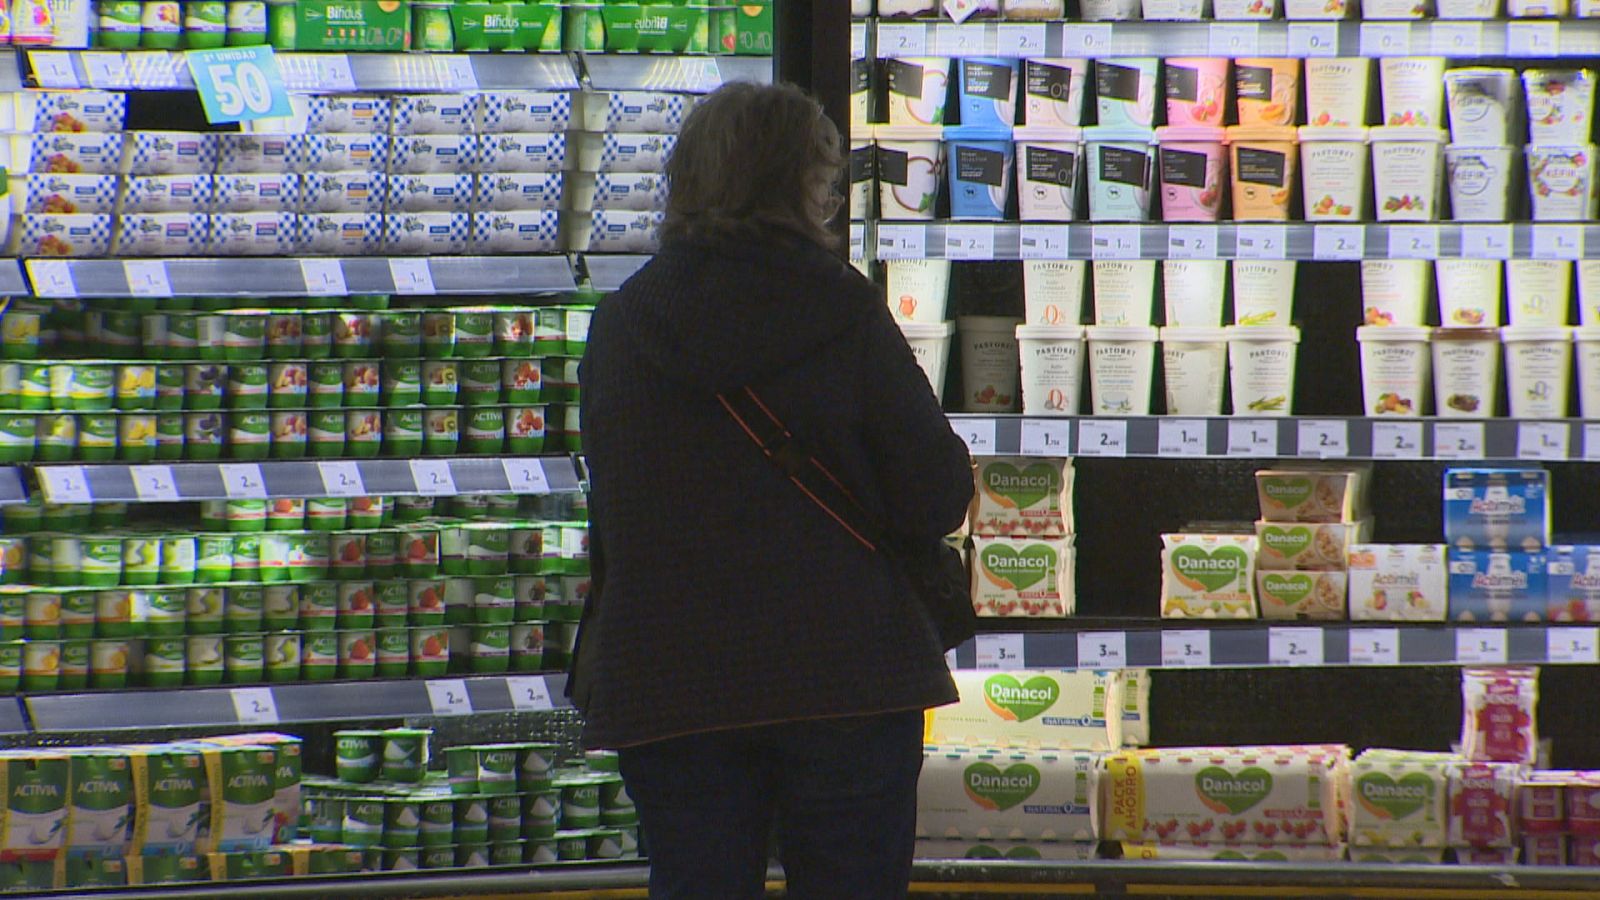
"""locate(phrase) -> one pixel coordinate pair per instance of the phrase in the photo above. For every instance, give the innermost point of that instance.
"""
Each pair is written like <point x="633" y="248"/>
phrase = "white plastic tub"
<point x="1192" y="291"/>
<point x="1395" y="365"/>
<point x="989" y="363"/>
<point x="1052" y="291"/>
<point x="930" y="344"/>
<point x="1469" y="292"/>
<point x="1538" y="292"/>
<point x="1466" y="372"/>
<point x="1123" y="290"/>
<point x="1538" y="371"/>
<point x="1261" y="362"/>
<point x="1121" y="369"/>
<point x="1052" y="369"/>
<point x="1194" y="362"/>
<point x="1395" y="291"/>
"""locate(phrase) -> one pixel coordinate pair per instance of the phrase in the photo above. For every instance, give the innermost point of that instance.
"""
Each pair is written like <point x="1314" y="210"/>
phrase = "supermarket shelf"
<point x="310" y="72"/>
<point x="1332" y="243"/>
<point x="12" y="284"/>
<point x="692" y="74"/>
<point x="124" y="483"/>
<point x="1464" y="39"/>
<point x="1208" y="644"/>
<point x="11" y="718"/>
<point x="278" y="276"/>
<point x="307" y="702"/>
<point x="11" y="487"/>
<point x="607" y="273"/>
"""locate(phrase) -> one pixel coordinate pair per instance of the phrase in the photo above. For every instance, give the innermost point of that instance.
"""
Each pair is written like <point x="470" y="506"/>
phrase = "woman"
<point x="755" y="664"/>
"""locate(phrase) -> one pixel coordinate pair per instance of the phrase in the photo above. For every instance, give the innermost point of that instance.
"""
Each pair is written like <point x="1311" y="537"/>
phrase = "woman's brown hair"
<point x="752" y="157"/>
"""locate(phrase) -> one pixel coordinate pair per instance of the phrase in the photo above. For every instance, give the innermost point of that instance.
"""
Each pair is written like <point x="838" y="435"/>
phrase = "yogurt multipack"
<point x="1208" y="576"/>
<point x="1497" y="508"/>
<point x="170" y="194"/>
<point x="634" y="111"/>
<point x="1050" y="709"/>
<point x="433" y="113"/>
<point x="1308" y="545"/>
<point x="104" y="112"/>
<point x="446" y="193"/>
<point x="169" y="786"/>
<point x="1023" y="577"/>
<point x="257" y="192"/>
<point x="988" y="794"/>
<point x="57" y="194"/>
<point x="1480" y="806"/>
<point x="1023" y="497"/>
<point x="68" y="153"/>
<point x="636" y="191"/>
<point x="1314" y="493"/>
<point x="35" y="784"/>
<point x="498" y="111"/>
<point x="1398" y="582"/>
<point x="1573" y="579"/>
<point x="520" y="191"/>
<point x="100" y="811"/>
<point x="1398" y="798"/>
<point x="1301" y="595"/>
<point x="1490" y="586"/>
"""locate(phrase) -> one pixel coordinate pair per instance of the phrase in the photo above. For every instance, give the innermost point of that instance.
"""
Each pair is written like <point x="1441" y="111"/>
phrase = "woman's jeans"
<point x="840" y="794"/>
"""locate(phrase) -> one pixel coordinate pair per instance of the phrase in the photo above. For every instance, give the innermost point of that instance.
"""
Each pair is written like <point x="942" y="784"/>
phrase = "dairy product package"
<point x="636" y="111"/>
<point x="519" y="191"/>
<point x="88" y="194"/>
<point x="1025" y="795"/>
<point x="1208" y="576"/>
<point x="1314" y="493"/>
<point x="1135" y="707"/>
<point x="162" y="234"/>
<point x="529" y="151"/>
<point x="1398" y="582"/>
<point x="1560" y="105"/>
<point x="641" y="191"/>
<point x="251" y="153"/>
<point x="1543" y="849"/>
<point x="419" y="234"/>
<point x="1480" y="804"/>
<point x="622" y="152"/>
<point x="1482" y="104"/>
<point x="171" y="153"/>
<point x="615" y="231"/>
<point x="1486" y="586"/>
<point x="255" y="234"/>
<point x="1049" y="709"/>
<point x="1498" y="715"/>
<point x="1573" y="579"/>
<point x="1497" y="508"/>
<point x="169" y="785"/>
<point x="1228" y="851"/>
<point x="1309" y="546"/>
<point x="75" y="154"/>
<point x="35" y="785"/>
<point x="432" y="113"/>
<point x="354" y="152"/>
<point x="497" y="111"/>
<point x="65" y="235"/>
<point x="446" y="193"/>
<point x="1301" y="595"/>
<point x="520" y="231"/>
<point x="1287" y="795"/>
<point x="342" y="234"/>
<point x="1399" y="798"/>
<point x="333" y="113"/>
<point x="1023" y="497"/>
<point x="288" y="771"/>
<point x="343" y="192"/>
<point x="1552" y="802"/>
<point x="169" y="194"/>
<point x="279" y="193"/>
<point x="1056" y="851"/>
<point x="1022" y="577"/>
<point x="242" y="787"/>
<point x="103" y="112"/>
<point x="100" y="811"/>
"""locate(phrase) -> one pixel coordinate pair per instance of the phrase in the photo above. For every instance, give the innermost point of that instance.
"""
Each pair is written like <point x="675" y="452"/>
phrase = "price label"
<point x="243" y="481"/>
<point x="1591" y="443"/>
<point x="1456" y="39"/>
<point x="1115" y="242"/>
<point x="1572" y="645"/>
<point x="65" y="484"/>
<point x="902" y="242"/>
<point x="1481" y="646"/>
<point x="978" y="435"/>
<point x="1533" y="39"/>
<point x="969" y="242"/>
<point x="1458" y="441"/>
<point x="53" y="69"/>
<point x="526" y="476"/>
<point x="1185" y="438"/>
<point x="858" y="40"/>
<point x="1313" y="40"/>
<point x="254" y="706"/>
<point x="858" y="240"/>
<point x="1186" y="648"/>
<point x="154" y="484"/>
<point x="323" y="277"/>
<point x="1542" y="440"/>
<point x="1020" y="41"/>
<point x="1043" y="241"/>
<point x="1107" y="437"/>
<point x="529" y="693"/>
<point x="1557" y="241"/>
<point x="433" y="478"/>
<point x="1102" y="650"/>
<point x="341" y="479"/>
<point x="239" y="84"/>
<point x="1397" y="440"/>
<point x="1086" y="40"/>
<point x="1192" y="242"/>
<point x="106" y="70"/>
<point x="455" y="73"/>
<point x="1046" y="437"/>
<point x="147" y="278"/>
<point x="411" y="275"/>
<point x="1294" y="646"/>
<point x="449" y="697"/>
<point x="1252" y="437"/>
<point x="1385" y="39"/>
<point x="1413" y="242"/>
<point x="1261" y="242"/>
<point x="334" y="73"/>
<point x="51" y="278"/>
<point x="1374" y="646"/>
<point x="950" y="660"/>
<point x="958" y="40"/>
<point x="902" y="40"/>
<point x="1229" y="39"/>
<point x="999" y="651"/>
<point x="153" y="69"/>
<point x="1323" y="438"/>
<point x="1339" y="242"/>
<point x="1486" y="241"/>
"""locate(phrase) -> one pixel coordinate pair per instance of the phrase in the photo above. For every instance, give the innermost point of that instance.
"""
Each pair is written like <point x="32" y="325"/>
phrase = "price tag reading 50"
<point x="239" y="84"/>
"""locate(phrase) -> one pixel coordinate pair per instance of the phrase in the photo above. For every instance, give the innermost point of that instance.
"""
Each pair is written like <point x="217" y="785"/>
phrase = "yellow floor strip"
<point x="1007" y="890"/>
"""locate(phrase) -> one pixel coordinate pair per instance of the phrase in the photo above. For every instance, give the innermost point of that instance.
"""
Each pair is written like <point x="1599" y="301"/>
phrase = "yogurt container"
<point x="1481" y="103"/>
<point x="1407" y="172"/>
<point x="930" y="344"/>
<point x="260" y="153"/>
<point x="1538" y="370"/>
<point x="333" y="113"/>
<point x="342" y="234"/>
<point x="432" y="113"/>
<point x="1480" y="180"/>
<point x="918" y="289"/>
<point x="419" y="234"/>
<point x="71" y="112"/>
<point x="527" y="190"/>
<point x="647" y="111"/>
<point x="1191" y="173"/>
<point x="65" y="235"/>
<point x="1395" y="365"/>
<point x="1261" y="364"/>
<point x="1396" y="9"/>
<point x="916" y="89"/>
<point x="497" y="111"/>
<point x="1053" y="91"/>
<point x="1048" y="166"/>
<point x="1318" y="9"/>
<point x="863" y="176"/>
<point x="1195" y="363"/>
<point x="1236" y="10"/>
<point x="162" y="234"/>
<point x="1192" y="292"/>
<point x="1538" y="9"/>
<point x="1125" y="91"/>
<point x="1561" y="181"/>
<point x="1336" y="91"/>
<point x="1262" y="164"/>
<point x="71" y="153"/>
<point x="1121" y="368"/>
<point x="1052" y="291"/>
<point x="909" y="162"/>
<point x="255" y="234"/>
<point x="1197" y="90"/>
<point x="980" y="174"/>
<point x="520" y="231"/>
<point x="1538" y="291"/>
<point x="1268" y="91"/>
<point x="410" y="155"/>
<point x="1588" y="347"/>
<point x="1123" y="290"/>
<point x="1560" y="106"/>
<point x="987" y="91"/>
<point x="1469" y="293"/>
<point x="1109" y="10"/>
<point x="1412" y="90"/>
<point x="1263" y="292"/>
<point x="1052" y="368"/>
<point x="1468" y="9"/>
<point x="1395" y="291"/>
<point x="1333" y="173"/>
<point x="343" y="192"/>
<point x="170" y="153"/>
<point x="1466" y="372"/>
<point x="989" y="363"/>
<point x="155" y="193"/>
<point x="1119" y="161"/>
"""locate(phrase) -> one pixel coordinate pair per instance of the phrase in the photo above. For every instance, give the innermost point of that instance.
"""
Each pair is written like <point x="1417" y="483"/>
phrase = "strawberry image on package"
<point x="1019" y="577"/>
<point x="1017" y="795"/>
<point x="1023" y="497"/>
<point x="1234" y="852"/>
<point x="1052" y="709"/>
<point x="1498" y="723"/>
<point x="1267" y="795"/>
<point x="1480" y="804"/>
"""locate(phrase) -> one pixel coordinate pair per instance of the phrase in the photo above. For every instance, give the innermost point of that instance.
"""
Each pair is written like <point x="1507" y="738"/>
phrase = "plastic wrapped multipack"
<point x="1052" y="709"/>
<point x="1208" y="576"/>
<point x="1024" y="795"/>
<point x="1498" y="720"/>
<point x="1023" y="497"/>
<point x="1399" y="798"/>
<point x="1023" y="577"/>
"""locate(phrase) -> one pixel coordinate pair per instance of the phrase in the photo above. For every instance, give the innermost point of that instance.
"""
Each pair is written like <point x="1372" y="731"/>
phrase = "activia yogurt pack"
<point x="1035" y="709"/>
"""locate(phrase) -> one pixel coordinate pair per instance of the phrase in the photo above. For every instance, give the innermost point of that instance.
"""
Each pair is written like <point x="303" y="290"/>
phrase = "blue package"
<point x="1574" y="577"/>
<point x="988" y="92"/>
<point x="980" y="171"/>
<point x="1497" y="509"/>
<point x="1486" y="586"/>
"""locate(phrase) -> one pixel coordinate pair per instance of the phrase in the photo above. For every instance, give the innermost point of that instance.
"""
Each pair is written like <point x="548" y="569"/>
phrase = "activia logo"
<point x="1211" y="571"/>
<point x="1290" y="541"/>
<point x="1019" y="489"/>
<point x="1016" y="701"/>
<point x="1386" y="798"/>
<point x="994" y="789"/>
<point x="1288" y="491"/>
<point x="1231" y="794"/>
<point x="1287" y="588"/>
<point x="1018" y="570"/>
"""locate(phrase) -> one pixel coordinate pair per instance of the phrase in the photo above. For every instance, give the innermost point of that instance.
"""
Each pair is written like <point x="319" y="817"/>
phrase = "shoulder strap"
<point x="802" y="467"/>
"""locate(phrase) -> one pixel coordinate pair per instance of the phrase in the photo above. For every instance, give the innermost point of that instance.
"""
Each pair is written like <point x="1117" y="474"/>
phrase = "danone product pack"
<point x="1135" y="707"/>
<point x="1497" y="509"/>
<point x="1314" y="493"/>
<point x="1023" y="795"/>
<point x="1023" y="497"/>
<point x="1398" y="582"/>
<point x="1492" y="586"/>
<point x="1480" y="805"/>
<point x="36" y="786"/>
<point x="1398" y="798"/>
<point x="1053" y="709"/>
<point x="1227" y="852"/>
<point x="1022" y="577"/>
<point x="1572" y="578"/>
<point x="1208" y="576"/>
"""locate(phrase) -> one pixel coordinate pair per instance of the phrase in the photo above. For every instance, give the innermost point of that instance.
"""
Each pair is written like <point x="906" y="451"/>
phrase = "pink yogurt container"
<point x="1192" y="165"/>
<point x="1197" y="90"/>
